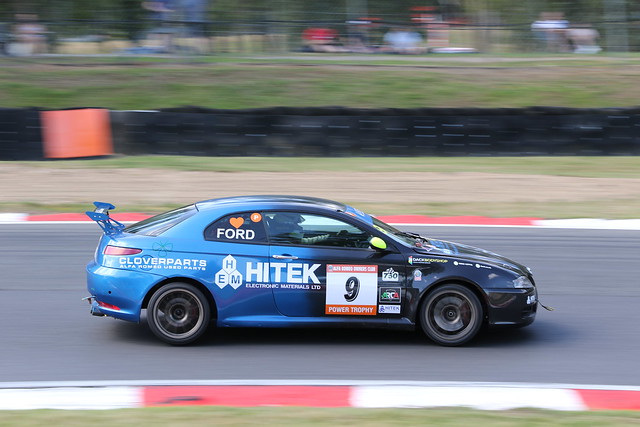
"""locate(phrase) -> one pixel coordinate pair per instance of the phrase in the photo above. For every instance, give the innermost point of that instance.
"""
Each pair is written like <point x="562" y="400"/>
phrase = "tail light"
<point x="119" y="250"/>
<point x="109" y="306"/>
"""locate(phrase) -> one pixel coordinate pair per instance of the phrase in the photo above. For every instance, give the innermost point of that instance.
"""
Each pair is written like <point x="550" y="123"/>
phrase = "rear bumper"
<point x="95" y="306"/>
<point x="118" y="293"/>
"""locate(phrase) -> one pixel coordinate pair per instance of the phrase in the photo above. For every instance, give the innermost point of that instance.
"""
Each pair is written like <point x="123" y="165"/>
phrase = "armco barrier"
<point x="337" y="131"/>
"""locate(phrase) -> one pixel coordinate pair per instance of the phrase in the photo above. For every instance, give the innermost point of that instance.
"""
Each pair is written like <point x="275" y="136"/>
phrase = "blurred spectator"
<point x="29" y="34"/>
<point x="316" y="39"/>
<point x="195" y="14"/>
<point x="4" y="39"/>
<point x="160" y="9"/>
<point x="551" y="31"/>
<point x="403" y="41"/>
<point x="358" y="35"/>
<point x="163" y="33"/>
<point x="176" y="18"/>
<point x="539" y="29"/>
<point x="584" y="38"/>
<point x="357" y="42"/>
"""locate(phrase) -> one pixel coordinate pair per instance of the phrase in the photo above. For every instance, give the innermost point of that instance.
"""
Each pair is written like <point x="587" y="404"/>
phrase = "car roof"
<point x="271" y="202"/>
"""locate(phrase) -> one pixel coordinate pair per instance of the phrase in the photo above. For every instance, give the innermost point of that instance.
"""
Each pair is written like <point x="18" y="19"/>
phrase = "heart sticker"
<point x="236" y="222"/>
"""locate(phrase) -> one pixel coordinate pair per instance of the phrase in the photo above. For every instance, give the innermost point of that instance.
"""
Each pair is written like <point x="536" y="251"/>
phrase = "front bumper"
<point x="517" y="307"/>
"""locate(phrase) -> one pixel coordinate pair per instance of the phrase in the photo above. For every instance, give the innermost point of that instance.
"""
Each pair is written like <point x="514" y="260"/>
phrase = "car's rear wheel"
<point x="451" y="315"/>
<point x="178" y="313"/>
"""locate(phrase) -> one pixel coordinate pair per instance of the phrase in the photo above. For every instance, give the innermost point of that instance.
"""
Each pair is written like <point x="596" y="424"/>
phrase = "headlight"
<point x="522" y="282"/>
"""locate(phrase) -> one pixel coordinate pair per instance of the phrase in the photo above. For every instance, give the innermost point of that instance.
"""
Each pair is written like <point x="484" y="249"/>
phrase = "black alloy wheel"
<point x="451" y="315"/>
<point x="178" y="313"/>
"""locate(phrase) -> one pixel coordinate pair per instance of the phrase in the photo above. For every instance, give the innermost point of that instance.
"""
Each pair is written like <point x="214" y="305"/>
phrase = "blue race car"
<point x="287" y="261"/>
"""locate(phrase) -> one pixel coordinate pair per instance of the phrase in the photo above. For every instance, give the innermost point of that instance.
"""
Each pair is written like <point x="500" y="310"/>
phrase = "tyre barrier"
<point x="31" y="134"/>
<point x="34" y="134"/>
<point x="20" y="137"/>
<point x="336" y="131"/>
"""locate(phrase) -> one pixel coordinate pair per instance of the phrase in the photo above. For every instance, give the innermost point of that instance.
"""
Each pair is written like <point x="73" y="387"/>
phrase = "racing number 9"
<point x="352" y="287"/>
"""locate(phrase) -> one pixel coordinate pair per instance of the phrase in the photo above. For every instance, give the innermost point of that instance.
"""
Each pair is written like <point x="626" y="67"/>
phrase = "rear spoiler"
<point x="101" y="215"/>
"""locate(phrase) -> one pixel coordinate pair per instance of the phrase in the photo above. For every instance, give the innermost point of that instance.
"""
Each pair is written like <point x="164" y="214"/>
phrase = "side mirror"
<point x="377" y="243"/>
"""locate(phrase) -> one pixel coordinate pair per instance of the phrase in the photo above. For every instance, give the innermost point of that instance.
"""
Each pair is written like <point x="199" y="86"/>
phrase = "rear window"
<point x="158" y="224"/>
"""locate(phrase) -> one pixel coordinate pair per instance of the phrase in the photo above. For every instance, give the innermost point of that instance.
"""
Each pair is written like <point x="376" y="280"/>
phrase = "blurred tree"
<point x="130" y="16"/>
<point x="329" y="10"/>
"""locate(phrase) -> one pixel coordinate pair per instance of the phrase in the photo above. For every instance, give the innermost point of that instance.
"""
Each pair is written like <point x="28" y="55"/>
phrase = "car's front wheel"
<point x="451" y="315"/>
<point x="178" y="313"/>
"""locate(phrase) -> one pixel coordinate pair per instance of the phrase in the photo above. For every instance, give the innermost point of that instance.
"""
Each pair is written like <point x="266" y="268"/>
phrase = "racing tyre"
<point x="178" y="313"/>
<point x="451" y="315"/>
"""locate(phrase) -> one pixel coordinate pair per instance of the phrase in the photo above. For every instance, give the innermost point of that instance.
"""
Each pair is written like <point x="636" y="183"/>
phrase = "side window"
<point x="290" y="228"/>
<point x="247" y="227"/>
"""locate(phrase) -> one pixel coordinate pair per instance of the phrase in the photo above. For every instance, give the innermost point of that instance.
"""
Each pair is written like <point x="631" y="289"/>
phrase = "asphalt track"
<point x="590" y="277"/>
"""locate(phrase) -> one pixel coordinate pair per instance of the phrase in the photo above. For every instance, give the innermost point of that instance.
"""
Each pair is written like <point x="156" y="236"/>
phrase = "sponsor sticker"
<point x="228" y="275"/>
<point x="388" y="309"/>
<point x="282" y="272"/>
<point x="352" y="290"/>
<point x="417" y="275"/>
<point x="148" y="262"/>
<point x="163" y="248"/>
<point x="235" y="234"/>
<point x="389" y="295"/>
<point x="465" y="264"/>
<point x="267" y="275"/>
<point x="423" y="260"/>
<point x="390" y="275"/>
<point x="244" y="227"/>
<point x="236" y="222"/>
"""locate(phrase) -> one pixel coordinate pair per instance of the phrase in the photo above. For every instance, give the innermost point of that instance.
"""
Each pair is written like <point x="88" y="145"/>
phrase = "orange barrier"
<point x="76" y="133"/>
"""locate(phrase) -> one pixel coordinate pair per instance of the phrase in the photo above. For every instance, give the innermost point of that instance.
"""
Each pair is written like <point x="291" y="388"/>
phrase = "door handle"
<point x="284" y="256"/>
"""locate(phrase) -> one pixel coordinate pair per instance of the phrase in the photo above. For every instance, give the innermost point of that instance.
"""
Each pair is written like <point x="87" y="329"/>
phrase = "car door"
<point x="237" y="246"/>
<point x="324" y="266"/>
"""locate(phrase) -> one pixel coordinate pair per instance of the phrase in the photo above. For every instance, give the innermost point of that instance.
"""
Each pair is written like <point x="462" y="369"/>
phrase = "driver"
<point x="285" y="227"/>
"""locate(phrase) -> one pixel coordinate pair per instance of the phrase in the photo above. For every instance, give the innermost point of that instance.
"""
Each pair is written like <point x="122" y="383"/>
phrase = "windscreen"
<point x="394" y="232"/>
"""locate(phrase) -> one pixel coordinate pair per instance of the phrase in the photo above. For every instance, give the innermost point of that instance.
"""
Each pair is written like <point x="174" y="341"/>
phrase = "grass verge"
<point x="285" y="416"/>
<point x="590" y="167"/>
<point x="305" y="81"/>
